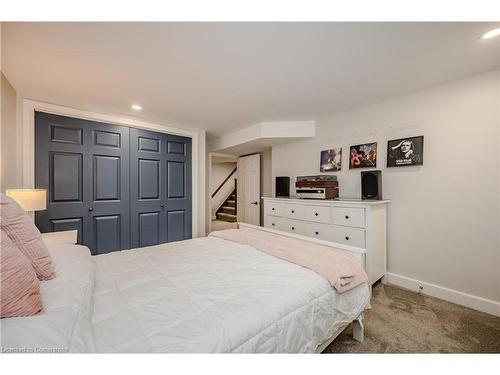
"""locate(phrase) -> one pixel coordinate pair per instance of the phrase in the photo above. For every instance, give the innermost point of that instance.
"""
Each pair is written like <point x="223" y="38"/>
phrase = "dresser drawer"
<point x="293" y="211"/>
<point x="273" y="208"/>
<point x="349" y="216"/>
<point x="319" y="214"/>
<point x="292" y="226"/>
<point x="272" y="222"/>
<point x="349" y="236"/>
<point x="319" y="231"/>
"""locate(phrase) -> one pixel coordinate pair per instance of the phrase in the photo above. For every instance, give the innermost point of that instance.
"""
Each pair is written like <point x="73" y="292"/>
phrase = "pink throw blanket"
<point x="341" y="270"/>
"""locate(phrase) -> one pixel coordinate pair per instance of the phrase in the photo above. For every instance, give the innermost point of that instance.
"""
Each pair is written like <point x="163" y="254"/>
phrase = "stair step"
<point x="229" y="210"/>
<point x="230" y="203"/>
<point x="226" y="217"/>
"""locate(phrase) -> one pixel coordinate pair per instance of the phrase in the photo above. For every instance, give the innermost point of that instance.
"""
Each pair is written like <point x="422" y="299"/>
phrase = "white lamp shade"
<point x="29" y="199"/>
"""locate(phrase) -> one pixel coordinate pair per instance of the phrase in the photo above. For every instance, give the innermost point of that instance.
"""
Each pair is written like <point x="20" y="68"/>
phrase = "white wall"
<point x="219" y="173"/>
<point x="443" y="219"/>
<point x="10" y="172"/>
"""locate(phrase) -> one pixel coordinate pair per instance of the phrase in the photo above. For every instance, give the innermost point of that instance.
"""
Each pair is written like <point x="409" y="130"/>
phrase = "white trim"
<point x="450" y="295"/>
<point x="30" y="106"/>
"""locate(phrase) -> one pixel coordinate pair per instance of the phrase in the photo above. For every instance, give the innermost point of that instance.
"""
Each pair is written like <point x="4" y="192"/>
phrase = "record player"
<point x="317" y="187"/>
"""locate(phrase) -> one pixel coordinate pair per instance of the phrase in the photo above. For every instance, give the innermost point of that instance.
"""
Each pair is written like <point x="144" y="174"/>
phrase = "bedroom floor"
<point x="405" y="322"/>
<point x="221" y="225"/>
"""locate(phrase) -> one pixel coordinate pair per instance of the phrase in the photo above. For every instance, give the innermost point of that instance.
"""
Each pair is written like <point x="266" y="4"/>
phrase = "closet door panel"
<point x="60" y="168"/>
<point x="178" y="193"/>
<point x="149" y="228"/>
<point x="66" y="177"/>
<point x="176" y="225"/>
<point x="106" y="177"/>
<point x="108" y="185"/>
<point x="148" y="179"/>
<point x="147" y="188"/>
<point x="176" y="179"/>
<point x="107" y="233"/>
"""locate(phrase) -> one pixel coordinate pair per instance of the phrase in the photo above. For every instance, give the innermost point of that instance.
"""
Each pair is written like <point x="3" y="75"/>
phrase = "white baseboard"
<point x="450" y="295"/>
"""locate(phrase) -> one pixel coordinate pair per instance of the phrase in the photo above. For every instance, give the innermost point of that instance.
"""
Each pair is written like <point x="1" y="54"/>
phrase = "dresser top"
<point x="333" y="201"/>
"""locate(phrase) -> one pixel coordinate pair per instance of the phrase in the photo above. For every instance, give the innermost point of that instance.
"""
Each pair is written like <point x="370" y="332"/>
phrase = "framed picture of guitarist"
<point x="363" y="156"/>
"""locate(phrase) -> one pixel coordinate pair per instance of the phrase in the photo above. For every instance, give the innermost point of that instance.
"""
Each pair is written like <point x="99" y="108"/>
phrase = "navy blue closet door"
<point x="119" y="187"/>
<point x="60" y="168"/>
<point x="178" y="192"/>
<point x="84" y="165"/>
<point x="147" y="204"/>
<point x="108" y="185"/>
<point x="160" y="190"/>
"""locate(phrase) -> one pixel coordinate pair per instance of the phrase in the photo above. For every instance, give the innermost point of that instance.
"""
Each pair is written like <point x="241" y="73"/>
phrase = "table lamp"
<point x="29" y="199"/>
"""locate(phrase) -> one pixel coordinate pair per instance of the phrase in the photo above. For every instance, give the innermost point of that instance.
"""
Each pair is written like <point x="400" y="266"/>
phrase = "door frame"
<point x="28" y="121"/>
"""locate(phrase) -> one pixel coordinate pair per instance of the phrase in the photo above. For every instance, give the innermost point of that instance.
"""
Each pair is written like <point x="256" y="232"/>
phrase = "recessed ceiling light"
<point x="491" y="34"/>
<point x="136" y="107"/>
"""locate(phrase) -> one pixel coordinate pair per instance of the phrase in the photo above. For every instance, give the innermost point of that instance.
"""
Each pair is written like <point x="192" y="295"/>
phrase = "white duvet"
<point x="198" y="296"/>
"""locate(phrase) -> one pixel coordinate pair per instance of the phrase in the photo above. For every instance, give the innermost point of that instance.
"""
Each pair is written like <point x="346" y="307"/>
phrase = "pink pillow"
<point x="26" y="236"/>
<point x="19" y="288"/>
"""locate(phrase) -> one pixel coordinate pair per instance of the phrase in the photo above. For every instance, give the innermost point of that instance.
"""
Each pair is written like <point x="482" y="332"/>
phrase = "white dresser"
<point x="357" y="223"/>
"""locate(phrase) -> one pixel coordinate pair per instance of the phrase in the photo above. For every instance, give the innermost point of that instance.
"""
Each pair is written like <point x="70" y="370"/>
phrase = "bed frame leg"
<point x="358" y="329"/>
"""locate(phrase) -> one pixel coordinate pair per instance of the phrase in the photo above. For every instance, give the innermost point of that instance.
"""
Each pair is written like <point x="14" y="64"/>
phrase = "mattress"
<point x="210" y="295"/>
<point x="205" y="295"/>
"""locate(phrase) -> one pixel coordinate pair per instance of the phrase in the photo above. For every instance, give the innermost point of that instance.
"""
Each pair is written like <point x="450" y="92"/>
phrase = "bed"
<point x="205" y="295"/>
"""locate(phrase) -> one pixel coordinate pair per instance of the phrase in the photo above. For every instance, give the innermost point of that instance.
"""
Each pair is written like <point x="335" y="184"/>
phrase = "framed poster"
<point x="405" y="151"/>
<point x="331" y="160"/>
<point x="363" y="156"/>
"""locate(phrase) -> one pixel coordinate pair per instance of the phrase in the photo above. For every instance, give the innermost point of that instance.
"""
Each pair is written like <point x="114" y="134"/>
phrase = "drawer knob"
<point x="272" y="224"/>
<point x="272" y="209"/>
<point x="316" y="233"/>
<point x="293" y="228"/>
<point x="293" y="211"/>
<point x="316" y="214"/>
<point x="347" y="238"/>
<point x="347" y="216"/>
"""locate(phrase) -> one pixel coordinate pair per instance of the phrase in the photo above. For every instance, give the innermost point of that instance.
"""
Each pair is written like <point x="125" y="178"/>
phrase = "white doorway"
<point x="248" y="189"/>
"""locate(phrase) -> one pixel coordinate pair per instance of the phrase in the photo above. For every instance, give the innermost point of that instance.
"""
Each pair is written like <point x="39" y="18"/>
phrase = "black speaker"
<point x="371" y="185"/>
<point x="282" y="186"/>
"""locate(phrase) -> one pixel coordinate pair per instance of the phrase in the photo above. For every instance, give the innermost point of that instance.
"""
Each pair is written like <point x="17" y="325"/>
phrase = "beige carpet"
<point x="220" y="225"/>
<point x="404" y="322"/>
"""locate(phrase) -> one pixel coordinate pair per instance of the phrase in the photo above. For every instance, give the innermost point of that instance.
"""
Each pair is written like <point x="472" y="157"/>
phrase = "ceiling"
<point x="225" y="76"/>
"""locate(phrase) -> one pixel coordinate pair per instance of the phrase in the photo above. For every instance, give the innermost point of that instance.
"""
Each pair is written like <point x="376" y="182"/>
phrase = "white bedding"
<point x="64" y="325"/>
<point x="203" y="295"/>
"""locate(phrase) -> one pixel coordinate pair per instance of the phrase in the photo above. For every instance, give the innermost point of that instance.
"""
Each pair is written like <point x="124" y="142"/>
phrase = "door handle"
<point x="256" y="203"/>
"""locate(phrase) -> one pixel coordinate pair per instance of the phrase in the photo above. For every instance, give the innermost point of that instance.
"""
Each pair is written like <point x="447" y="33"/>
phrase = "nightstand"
<point x="68" y="237"/>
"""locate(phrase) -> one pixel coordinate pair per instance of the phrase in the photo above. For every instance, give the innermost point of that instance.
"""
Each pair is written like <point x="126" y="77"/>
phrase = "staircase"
<point x="227" y="212"/>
